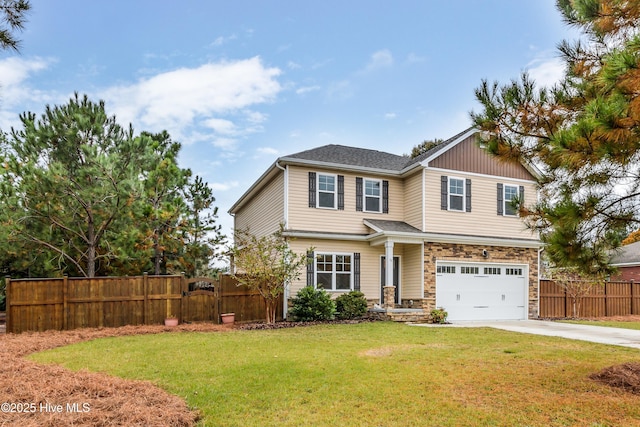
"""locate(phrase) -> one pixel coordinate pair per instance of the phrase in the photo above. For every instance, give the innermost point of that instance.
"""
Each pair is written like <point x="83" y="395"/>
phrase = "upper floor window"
<point x="326" y="191"/>
<point x="372" y="195"/>
<point x="508" y="196"/>
<point x="455" y="194"/>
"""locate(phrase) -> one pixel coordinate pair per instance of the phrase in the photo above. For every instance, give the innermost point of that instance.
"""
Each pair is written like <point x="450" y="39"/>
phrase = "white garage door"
<point x="481" y="291"/>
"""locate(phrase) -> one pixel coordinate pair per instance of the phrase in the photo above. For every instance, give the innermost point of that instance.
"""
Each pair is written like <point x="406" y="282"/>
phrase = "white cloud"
<point x="225" y="143"/>
<point x="221" y="126"/>
<point x="293" y="65"/>
<point x="546" y="71"/>
<point x="224" y="186"/>
<point x="340" y="90"/>
<point x="219" y="41"/>
<point x="179" y="99"/>
<point x="390" y="116"/>
<point x="267" y="150"/>
<point x="380" y="59"/>
<point x="307" y="89"/>
<point x="15" y="92"/>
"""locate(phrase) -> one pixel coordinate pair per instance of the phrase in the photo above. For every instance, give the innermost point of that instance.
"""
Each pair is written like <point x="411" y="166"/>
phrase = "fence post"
<point x="606" y="301"/>
<point x="632" y="297"/>
<point x="145" y="302"/>
<point x="7" y="301"/>
<point x="65" y="308"/>
<point x="183" y="293"/>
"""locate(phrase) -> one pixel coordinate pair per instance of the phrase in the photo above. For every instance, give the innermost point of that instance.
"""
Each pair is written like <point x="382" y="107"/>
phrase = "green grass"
<point x="370" y="374"/>
<point x="610" y="324"/>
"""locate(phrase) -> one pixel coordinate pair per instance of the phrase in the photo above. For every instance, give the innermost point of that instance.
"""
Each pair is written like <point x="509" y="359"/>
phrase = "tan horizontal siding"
<point x="413" y="200"/>
<point x="411" y="258"/>
<point x="483" y="219"/>
<point x="302" y="217"/>
<point x="412" y="274"/>
<point x="264" y="213"/>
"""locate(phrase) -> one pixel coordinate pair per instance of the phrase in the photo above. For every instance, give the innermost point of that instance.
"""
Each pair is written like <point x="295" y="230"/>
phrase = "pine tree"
<point x="582" y="134"/>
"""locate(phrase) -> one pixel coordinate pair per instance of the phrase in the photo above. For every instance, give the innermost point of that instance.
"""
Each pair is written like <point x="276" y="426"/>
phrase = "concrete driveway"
<point x="597" y="334"/>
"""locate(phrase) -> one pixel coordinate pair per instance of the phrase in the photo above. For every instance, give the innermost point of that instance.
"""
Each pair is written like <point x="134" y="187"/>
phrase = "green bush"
<point x="351" y="305"/>
<point x="311" y="304"/>
<point x="438" y="315"/>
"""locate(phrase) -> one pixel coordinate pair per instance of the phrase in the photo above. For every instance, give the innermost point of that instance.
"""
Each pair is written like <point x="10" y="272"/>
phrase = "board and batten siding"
<point x="413" y="200"/>
<point x="483" y="220"/>
<point x="302" y="217"/>
<point x="264" y="213"/>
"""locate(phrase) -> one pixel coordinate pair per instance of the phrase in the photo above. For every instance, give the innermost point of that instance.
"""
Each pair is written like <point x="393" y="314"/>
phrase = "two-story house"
<point x="441" y="228"/>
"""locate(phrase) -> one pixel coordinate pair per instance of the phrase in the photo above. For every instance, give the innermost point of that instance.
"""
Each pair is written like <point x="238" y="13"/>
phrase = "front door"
<point x="396" y="278"/>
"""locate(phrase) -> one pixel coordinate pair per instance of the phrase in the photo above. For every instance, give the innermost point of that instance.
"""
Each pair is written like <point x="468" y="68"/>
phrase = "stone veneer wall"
<point x="473" y="253"/>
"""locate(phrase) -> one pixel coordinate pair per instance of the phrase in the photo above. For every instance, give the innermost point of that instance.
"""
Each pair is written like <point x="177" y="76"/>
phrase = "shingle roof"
<point x="354" y="156"/>
<point x="363" y="157"/>
<point x="397" y="226"/>
<point x="627" y="254"/>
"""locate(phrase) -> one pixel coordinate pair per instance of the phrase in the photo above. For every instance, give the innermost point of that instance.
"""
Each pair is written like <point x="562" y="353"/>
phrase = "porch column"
<point x="389" y="289"/>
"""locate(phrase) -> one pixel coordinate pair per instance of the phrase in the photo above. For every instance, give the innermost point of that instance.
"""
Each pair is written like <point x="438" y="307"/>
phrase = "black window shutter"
<point x="356" y="271"/>
<point x="310" y="259"/>
<point x="468" y="194"/>
<point x="358" y="194"/>
<point x="385" y="196"/>
<point x="500" y="200"/>
<point x="341" y="192"/>
<point x="444" y="192"/>
<point x="312" y="189"/>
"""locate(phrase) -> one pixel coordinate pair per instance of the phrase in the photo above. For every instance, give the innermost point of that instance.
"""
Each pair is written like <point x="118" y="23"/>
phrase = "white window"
<point x="456" y="194"/>
<point x="510" y="194"/>
<point x="327" y="191"/>
<point x="469" y="270"/>
<point x="333" y="272"/>
<point x="372" y="195"/>
<point x="446" y="269"/>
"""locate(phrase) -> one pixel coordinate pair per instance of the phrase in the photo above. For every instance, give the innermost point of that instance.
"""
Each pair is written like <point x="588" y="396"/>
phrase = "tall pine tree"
<point x="582" y="134"/>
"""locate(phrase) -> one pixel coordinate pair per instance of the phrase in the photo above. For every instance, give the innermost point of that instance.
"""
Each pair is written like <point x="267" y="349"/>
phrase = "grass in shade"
<point x="370" y="374"/>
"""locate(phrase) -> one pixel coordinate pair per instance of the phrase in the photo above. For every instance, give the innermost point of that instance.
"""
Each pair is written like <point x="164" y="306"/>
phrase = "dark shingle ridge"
<point x="364" y="157"/>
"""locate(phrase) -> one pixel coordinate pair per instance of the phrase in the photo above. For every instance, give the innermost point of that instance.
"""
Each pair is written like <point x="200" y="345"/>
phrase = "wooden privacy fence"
<point x="70" y="303"/>
<point x="611" y="299"/>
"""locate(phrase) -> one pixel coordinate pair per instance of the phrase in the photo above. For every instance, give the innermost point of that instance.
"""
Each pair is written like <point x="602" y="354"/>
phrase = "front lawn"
<point x="371" y="374"/>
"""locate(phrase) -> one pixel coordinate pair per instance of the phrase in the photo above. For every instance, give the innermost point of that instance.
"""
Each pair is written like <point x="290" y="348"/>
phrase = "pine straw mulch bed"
<point x="109" y="400"/>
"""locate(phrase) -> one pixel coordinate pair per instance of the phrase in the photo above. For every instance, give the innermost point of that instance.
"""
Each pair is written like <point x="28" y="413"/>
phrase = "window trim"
<point x="333" y="270"/>
<point x="364" y="194"/>
<point x="463" y="195"/>
<point x="334" y="192"/>
<point x="506" y="202"/>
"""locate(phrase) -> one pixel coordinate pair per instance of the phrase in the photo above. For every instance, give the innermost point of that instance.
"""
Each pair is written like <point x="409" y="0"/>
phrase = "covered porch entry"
<point x="401" y="274"/>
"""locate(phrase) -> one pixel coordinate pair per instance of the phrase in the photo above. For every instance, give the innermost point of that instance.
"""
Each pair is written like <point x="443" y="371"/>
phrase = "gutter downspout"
<point x="286" y="294"/>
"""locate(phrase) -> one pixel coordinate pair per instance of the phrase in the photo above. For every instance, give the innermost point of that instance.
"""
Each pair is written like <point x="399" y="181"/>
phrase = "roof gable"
<point x="467" y="156"/>
<point x="629" y="254"/>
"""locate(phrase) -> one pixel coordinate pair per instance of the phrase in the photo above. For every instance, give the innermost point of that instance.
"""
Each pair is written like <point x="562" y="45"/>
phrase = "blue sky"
<point x="240" y="83"/>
